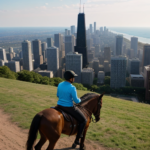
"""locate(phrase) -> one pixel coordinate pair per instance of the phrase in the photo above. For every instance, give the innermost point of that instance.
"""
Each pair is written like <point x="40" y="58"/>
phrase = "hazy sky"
<point x="63" y="13"/>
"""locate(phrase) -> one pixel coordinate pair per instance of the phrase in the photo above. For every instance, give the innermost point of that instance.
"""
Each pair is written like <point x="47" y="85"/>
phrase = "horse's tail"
<point x="33" y="132"/>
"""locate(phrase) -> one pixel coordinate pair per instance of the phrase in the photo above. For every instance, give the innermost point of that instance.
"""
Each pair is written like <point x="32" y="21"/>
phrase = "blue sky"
<point x="120" y="13"/>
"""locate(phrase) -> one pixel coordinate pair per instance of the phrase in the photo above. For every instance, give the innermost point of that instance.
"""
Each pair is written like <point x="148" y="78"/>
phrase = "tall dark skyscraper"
<point x="119" y="44"/>
<point x="81" y="39"/>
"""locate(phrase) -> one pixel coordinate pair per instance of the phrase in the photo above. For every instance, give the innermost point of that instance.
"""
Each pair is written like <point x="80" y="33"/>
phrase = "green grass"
<point x="123" y="124"/>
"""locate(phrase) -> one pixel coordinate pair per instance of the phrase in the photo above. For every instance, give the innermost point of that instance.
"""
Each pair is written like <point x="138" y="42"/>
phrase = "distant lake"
<point x="143" y="34"/>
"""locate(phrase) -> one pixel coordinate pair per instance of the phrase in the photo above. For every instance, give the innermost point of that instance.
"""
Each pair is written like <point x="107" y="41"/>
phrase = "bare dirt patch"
<point x="14" y="138"/>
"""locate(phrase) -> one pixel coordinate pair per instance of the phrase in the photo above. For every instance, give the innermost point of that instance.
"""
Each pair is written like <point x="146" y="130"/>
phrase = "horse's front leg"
<point x="82" y="146"/>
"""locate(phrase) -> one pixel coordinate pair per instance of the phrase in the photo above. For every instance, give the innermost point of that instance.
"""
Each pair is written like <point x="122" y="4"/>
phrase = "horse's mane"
<point x="87" y="97"/>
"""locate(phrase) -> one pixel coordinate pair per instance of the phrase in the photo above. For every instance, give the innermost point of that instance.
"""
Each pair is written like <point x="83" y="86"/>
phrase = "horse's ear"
<point x="101" y="96"/>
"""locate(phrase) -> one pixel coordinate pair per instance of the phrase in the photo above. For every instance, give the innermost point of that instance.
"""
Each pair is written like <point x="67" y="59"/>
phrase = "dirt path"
<point x="14" y="138"/>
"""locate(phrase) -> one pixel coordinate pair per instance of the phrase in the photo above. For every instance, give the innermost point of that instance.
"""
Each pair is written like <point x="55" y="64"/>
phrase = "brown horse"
<point x="51" y="123"/>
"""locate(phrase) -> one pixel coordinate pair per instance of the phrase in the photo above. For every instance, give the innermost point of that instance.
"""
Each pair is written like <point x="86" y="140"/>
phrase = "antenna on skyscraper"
<point x="83" y="7"/>
<point x="80" y="6"/>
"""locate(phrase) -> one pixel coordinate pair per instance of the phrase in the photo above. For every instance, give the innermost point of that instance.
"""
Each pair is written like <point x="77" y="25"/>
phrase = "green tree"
<point x="95" y="81"/>
<point x="79" y="86"/>
<point x="5" y="72"/>
<point x="107" y="80"/>
<point x="45" y="80"/>
<point x="94" y="88"/>
<point x="25" y="76"/>
<point x="57" y="80"/>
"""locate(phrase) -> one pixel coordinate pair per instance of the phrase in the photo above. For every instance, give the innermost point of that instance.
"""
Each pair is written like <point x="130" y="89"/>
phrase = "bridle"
<point x="96" y="115"/>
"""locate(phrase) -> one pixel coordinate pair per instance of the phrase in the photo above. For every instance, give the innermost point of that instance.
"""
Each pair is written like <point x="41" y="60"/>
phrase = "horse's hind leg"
<point x="41" y="142"/>
<point x="52" y="143"/>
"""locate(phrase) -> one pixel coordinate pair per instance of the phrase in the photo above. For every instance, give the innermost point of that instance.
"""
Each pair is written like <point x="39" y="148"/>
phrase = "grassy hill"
<point x="123" y="124"/>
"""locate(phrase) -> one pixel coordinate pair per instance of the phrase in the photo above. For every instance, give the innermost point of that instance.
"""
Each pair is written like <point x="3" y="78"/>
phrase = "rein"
<point x="87" y="110"/>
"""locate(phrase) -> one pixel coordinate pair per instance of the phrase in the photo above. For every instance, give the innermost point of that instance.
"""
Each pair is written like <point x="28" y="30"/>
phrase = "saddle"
<point x="67" y="117"/>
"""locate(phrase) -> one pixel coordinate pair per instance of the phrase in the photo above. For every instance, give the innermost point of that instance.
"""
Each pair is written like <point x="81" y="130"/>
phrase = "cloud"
<point x="43" y="7"/>
<point x="46" y="3"/>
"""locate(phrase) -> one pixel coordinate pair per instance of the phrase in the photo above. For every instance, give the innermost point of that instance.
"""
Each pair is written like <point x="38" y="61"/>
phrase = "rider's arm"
<point x="74" y="95"/>
<point x="57" y="93"/>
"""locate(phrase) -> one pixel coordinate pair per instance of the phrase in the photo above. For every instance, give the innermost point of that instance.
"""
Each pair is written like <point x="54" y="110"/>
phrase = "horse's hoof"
<point x="83" y="148"/>
<point x="74" y="145"/>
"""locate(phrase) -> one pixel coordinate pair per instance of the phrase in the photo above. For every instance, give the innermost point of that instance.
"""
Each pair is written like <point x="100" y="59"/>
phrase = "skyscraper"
<point x="81" y="39"/>
<point x="11" y="50"/>
<point x="134" y="66"/>
<point x="66" y="31"/>
<point x="53" y="60"/>
<point x="50" y="42"/>
<point x="37" y="51"/>
<point x="58" y="40"/>
<point x="101" y="29"/>
<point x="97" y="50"/>
<point x="91" y="30"/>
<point x="119" y="44"/>
<point x="44" y="48"/>
<point x="69" y="44"/>
<point x="13" y="66"/>
<point x="107" y="54"/>
<point x="74" y="62"/>
<point x="118" y="72"/>
<point x="87" y="76"/>
<point x="134" y="45"/>
<point x="94" y="27"/>
<point x="27" y="55"/>
<point x="146" y="55"/>
<point x="147" y="82"/>
<point x="72" y="29"/>
<point x="3" y="54"/>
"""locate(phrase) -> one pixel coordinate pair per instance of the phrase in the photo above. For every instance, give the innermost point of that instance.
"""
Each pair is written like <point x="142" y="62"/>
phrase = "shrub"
<point x="25" y="76"/>
<point x="79" y="86"/>
<point x="5" y="72"/>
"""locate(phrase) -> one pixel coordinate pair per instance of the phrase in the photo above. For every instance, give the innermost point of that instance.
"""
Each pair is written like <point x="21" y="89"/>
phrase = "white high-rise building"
<point x="74" y="62"/>
<point x="118" y="71"/>
<point x="2" y="63"/>
<point x="50" y="42"/>
<point x="11" y="50"/>
<point x="27" y="55"/>
<point x="69" y="44"/>
<point x="73" y="30"/>
<point x="3" y="54"/>
<point x="44" y="50"/>
<point x="37" y="51"/>
<point x="13" y="65"/>
<point x="53" y="60"/>
<point x="58" y="38"/>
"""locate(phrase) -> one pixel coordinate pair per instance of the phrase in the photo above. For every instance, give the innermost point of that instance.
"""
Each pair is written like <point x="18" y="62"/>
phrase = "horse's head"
<point x="99" y="106"/>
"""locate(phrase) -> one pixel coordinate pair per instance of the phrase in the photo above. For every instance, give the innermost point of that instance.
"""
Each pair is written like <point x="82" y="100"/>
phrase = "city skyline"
<point x="125" y="13"/>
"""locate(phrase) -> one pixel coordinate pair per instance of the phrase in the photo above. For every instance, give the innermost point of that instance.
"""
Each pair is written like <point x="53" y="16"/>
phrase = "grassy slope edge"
<point x="123" y="124"/>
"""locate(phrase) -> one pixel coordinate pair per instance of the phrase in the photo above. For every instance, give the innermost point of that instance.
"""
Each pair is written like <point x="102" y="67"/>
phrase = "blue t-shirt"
<point x="67" y="93"/>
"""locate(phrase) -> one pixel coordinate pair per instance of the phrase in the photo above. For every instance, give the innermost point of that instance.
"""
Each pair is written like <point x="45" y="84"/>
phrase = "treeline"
<point x="127" y="90"/>
<point x="30" y="76"/>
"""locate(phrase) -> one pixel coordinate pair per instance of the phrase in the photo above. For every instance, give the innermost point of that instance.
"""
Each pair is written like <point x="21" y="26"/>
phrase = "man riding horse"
<point x="52" y="122"/>
<point x="67" y="93"/>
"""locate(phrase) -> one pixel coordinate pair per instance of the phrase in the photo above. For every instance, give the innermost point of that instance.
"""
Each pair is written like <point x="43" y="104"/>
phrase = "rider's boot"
<point x="80" y="133"/>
